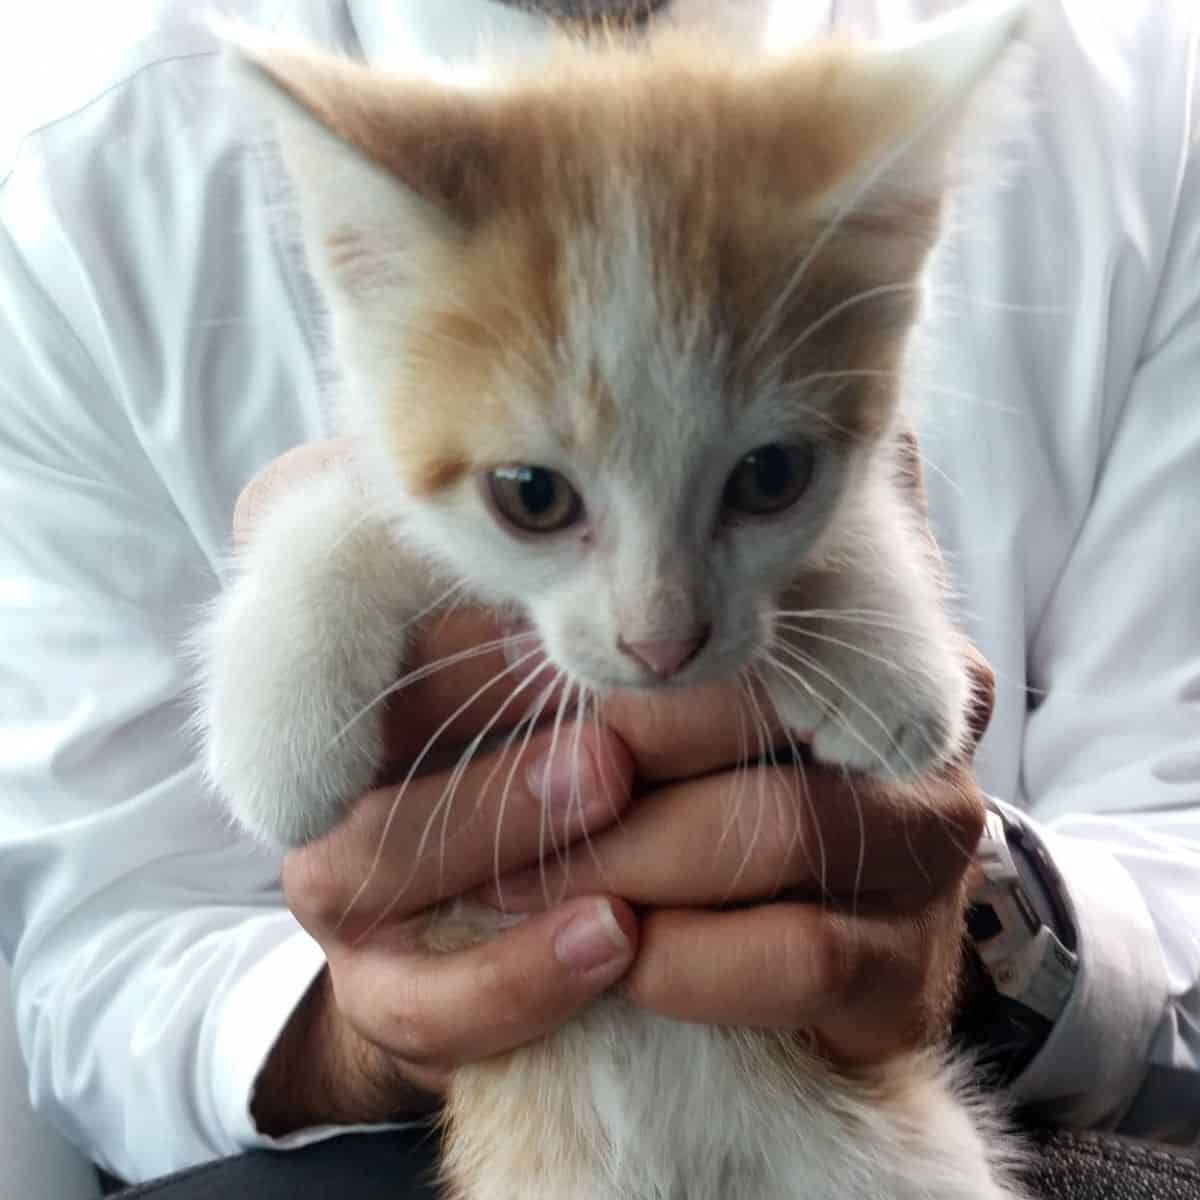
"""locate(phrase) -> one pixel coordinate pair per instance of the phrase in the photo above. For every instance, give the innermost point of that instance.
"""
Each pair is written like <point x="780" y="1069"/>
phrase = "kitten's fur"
<point x="633" y="265"/>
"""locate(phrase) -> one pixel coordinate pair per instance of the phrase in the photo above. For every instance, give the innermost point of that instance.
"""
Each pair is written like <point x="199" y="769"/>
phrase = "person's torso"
<point x="160" y="246"/>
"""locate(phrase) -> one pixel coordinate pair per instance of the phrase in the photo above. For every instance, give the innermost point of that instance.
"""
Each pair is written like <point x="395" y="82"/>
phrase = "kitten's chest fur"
<point x="622" y="1104"/>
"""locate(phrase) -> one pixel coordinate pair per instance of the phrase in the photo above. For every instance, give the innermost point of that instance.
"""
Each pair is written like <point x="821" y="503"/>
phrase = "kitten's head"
<point x="624" y="331"/>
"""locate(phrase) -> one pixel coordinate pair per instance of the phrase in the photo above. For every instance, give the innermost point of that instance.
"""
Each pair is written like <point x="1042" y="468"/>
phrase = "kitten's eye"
<point x="770" y="479"/>
<point x="534" y="499"/>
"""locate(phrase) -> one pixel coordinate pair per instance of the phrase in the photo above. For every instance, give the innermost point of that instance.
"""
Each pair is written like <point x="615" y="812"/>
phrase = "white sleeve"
<point x="1111" y="764"/>
<point x="153" y="959"/>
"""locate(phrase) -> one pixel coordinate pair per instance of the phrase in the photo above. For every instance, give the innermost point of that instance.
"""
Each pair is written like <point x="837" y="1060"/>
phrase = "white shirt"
<point x="157" y="348"/>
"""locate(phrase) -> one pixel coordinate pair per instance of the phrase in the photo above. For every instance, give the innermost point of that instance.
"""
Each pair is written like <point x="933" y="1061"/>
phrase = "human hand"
<point x="789" y="898"/>
<point x="796" y="898"/>
<point x="386" y="1022"/>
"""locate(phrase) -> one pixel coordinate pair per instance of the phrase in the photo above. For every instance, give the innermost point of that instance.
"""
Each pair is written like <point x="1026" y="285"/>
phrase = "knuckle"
<point x="313" y="890"/>
<point x="504" y="995"/>
<point x="964" y="813"/>
<point x="838" y="966"/>
<point x="413" y="1033"/>
<point x="981" y="700"/>
<point x="830" y="966"/>
<point x="947" y="829"/>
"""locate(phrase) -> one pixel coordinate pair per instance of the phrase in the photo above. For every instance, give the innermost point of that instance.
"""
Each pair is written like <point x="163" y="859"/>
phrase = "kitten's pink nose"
<point x="665" y="656"/>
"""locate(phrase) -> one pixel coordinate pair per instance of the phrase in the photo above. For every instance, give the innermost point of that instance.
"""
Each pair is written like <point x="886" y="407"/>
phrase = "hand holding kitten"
<point x="382" y="1029"/>
<point x="384" y="1025"/>
<point x="816" y="901"/>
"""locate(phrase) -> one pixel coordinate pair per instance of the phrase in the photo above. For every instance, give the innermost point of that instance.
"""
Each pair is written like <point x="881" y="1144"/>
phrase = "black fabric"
<point x="402" y="1166"/>
<point x="390" y="1166"/>
<point x="1074" y="1166"/>
<point x="593" y="10"/>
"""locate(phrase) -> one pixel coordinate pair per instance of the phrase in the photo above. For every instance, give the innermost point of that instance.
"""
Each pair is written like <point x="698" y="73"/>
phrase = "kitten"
<point x="622" y="340"/>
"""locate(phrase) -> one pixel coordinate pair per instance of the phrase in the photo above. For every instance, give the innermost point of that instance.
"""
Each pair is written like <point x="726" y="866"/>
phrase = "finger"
<point x="299" y="463"/>
<point x="399" y="851"/>
<point x="685" y="733"/>
<point x="868" y="986"/>
<point x="982" y="698"/>
<point x="450" y="1009"/>
<point x="742" y="836"/>
<point x="459" y="680"/>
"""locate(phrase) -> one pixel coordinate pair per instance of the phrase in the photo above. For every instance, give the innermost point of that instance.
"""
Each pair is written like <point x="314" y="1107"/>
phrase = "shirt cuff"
<point x="256" y="1009"/>
<point x="1095" y="1057"/>
<point x="254" y="1012"/>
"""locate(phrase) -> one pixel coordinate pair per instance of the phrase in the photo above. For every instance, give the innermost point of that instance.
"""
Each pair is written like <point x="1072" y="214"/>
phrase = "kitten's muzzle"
<point x="665" y="657"/>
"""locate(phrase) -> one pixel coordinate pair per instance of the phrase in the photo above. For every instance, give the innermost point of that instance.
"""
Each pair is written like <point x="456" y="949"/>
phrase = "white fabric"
<point x="38" y="1162"/>
<point x="158" y="347"/>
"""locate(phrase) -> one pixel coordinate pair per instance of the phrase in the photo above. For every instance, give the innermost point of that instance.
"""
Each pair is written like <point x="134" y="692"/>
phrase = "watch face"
<point x="982" y="923"/>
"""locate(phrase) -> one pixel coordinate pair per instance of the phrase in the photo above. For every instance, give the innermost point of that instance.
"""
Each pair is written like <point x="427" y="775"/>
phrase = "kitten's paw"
<point x="908" y="745"/>
<point x="282" y="747"/>
<point x="882" y="728"/>
<point x="296" y="658"/>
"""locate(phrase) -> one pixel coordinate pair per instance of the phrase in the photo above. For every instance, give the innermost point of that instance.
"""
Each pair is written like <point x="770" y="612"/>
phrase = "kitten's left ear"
<point x="963" y="65"/>
<point x="382" y="164"/>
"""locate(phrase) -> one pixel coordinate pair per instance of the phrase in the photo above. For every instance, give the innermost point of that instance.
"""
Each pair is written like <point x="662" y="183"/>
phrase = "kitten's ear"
<point x="952" y="70"/>
<point x="381" y="165"/>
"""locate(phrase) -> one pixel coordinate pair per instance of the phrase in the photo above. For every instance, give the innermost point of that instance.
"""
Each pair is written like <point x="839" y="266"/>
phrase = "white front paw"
<point x="885" y="739"/>
<point x="879" y="723"/>
<point x="297" y="658"/>
<point x="285" y="749"/>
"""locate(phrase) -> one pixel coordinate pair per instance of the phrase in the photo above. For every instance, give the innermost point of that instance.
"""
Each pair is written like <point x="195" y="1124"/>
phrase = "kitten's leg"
<point x="875" y="672"/>
<point x="295" y="654"/>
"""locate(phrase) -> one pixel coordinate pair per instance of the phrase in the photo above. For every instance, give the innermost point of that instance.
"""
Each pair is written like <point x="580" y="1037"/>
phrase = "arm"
<point x="1112" y="751"/>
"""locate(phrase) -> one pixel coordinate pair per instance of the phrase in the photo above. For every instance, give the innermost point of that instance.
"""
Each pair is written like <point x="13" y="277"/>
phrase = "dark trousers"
<point x="401" y="1166"/>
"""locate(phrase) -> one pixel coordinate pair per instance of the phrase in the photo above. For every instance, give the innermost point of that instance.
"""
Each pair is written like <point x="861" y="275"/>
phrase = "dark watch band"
<point x="1022" y="960"/>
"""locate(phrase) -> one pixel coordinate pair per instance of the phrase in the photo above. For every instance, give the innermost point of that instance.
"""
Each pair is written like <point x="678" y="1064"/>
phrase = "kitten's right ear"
<point x="380" y="164"/>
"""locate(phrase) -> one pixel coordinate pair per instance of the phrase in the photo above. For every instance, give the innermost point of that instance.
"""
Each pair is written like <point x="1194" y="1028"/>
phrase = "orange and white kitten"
<point x="622" y="338"/>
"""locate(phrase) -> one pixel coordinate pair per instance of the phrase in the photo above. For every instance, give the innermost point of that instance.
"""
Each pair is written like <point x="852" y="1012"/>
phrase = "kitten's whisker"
<point x="809" y="664"/>
<point x="591" y="706"/>
<point x="506" y="346"/>
<point x="531" y="719"/>
<point x="546" y="824"/>
<point x="788" y="386"/>
<point x="468" y="755"/>
<point x="864" y="617"/>
<point x="371" y="512"/>
<point x="833" y="641"/>
<point x="852" y="617"/>
<point x="441" y="804"/>
<point x="793" y="626"/>
<point x="848" y="204"/>
<point x="831" y="314"/>
<point x="780" y="804"/>
<point x="822" y="864"/>
<point x="415" y="766"/>
<point x="805" y="661"/>
<point x="763" y="734"/>
<point x="860" y="865"/>
<point x="590" y="710"/>
<point x="405" y="681"/>
<point x="916" y="858"/>
<point x="742" y="767"/>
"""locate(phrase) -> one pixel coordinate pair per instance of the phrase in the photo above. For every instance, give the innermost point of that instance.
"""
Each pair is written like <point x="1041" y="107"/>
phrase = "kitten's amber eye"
<point x="770" y="479"/>
<point x="534" y="499"/>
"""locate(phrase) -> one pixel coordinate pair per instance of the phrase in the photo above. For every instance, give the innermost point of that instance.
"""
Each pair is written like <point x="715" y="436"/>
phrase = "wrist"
<point x="1020" y="964"/>
<point x="322" y="1071"/>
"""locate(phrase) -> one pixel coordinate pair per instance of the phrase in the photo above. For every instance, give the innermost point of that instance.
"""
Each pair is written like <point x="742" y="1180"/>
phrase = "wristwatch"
<point x="1022" y="953"/>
